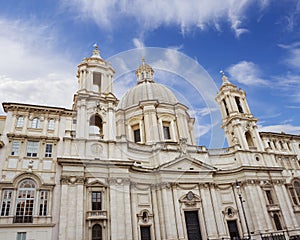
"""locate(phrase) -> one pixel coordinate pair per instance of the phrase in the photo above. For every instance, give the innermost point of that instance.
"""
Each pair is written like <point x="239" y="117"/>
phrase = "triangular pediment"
<point x="187" y="164"/>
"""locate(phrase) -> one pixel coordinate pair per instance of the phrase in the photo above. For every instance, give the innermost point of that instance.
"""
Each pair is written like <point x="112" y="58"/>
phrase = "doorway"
<point x="192" y="225"/>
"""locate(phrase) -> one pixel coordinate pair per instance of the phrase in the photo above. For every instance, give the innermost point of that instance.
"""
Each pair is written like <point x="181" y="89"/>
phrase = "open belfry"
<point x="130" y="168"/>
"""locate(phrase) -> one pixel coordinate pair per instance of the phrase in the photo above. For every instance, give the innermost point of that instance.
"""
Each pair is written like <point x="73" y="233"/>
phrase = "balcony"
<point x="273" y="207"/>
<point x="96" y="215"/>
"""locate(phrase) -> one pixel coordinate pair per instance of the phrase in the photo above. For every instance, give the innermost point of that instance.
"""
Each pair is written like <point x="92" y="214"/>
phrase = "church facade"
<point x="131" y="169"/>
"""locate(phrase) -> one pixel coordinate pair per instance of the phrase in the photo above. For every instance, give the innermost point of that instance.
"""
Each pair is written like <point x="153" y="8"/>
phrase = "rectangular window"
<point x="96" y="201"/>
<point x="21" y="236"/>
<point x="166" y="129"/>
<point x="6" y="202"/>
<point x="32" y="149"/>
<point x="269" y="197"/>
<point x="44" y="196"/>
<point x="48" y="150"/>
<point x="97" y="82"/>
<point x="15" y="148"/>
<point x="137" y="135"/>
<point x="145" y="233"/>
<point x="51" y="124"/>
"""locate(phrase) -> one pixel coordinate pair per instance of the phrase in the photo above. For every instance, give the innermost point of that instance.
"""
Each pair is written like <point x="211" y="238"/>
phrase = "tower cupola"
<point x="144" y="72"/>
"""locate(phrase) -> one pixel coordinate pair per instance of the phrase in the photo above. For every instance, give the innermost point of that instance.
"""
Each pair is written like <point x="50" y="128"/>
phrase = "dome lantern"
<point x="144" y="73"/>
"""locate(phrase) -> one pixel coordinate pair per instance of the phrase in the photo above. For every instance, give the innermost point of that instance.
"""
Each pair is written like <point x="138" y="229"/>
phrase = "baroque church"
<point x="131" y="169"/>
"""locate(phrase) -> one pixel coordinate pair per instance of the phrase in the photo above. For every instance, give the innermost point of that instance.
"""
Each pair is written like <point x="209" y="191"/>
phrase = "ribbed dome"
<point x="146" y="91"/>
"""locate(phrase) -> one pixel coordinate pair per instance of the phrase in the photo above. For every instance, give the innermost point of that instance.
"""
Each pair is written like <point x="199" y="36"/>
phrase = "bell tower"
<point x="94" y="100"/>
<point x="237" y="120"/>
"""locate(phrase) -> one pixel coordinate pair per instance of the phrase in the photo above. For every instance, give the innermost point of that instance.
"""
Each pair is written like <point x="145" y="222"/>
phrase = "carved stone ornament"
<point x="72" y="179"/>
<point x="230" y="212"/>
<point x="190" y="199"/>
<point x="96" y="149"/>
<point x="1" y="144"/>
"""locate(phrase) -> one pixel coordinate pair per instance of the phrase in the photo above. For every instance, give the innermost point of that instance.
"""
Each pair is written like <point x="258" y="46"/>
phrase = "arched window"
<point x="20" y="121"/>
<point x="51" y="124"/>
<point x="96" y="82"/>
<point x="35" y="123"/>
<point x="25" y="201"/>
<point x="226" y="108"/>
<point x="249" y="139"/>
<point x="239" y="105"/>
<point x="97" y="232"/>
<point x="277" y="222"/>
<point x="96" y="124"/>
<point x="295" y="192"/>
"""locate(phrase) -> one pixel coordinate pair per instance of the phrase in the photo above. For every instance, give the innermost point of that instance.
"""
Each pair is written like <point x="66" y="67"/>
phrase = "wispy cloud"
<point x="293" y="55"/>
<point x="33" y="71"/>
<point x="247" y="73"/>
<point x="152" y="14"/>
<point x="286" y="128"/>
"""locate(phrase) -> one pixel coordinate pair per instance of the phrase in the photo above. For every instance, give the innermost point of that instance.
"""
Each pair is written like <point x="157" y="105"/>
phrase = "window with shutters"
<point x="35" y="123"/>
<point x="43" y="203"/>
<point x="32" y="149"/>
<point x="294" y="190"/>
<point x="15" y="148"/>
<point x="21" y="236"/>
<point x="48" y="150"/>
<point x="51" y="124"/>
<point x="20" y="121"/>
<point x="6" y="202"/>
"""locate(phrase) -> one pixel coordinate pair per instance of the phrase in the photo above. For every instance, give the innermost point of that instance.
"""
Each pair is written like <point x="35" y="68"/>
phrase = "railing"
<point x="23" y="219"/>
<point x="273" y="236"/>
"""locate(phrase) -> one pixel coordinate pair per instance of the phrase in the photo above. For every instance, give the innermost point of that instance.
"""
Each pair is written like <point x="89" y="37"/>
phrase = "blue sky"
<point x="256" y="43"/>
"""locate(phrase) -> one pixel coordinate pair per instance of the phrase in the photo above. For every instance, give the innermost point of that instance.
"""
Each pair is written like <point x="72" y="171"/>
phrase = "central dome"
<point x="146" y="90"/>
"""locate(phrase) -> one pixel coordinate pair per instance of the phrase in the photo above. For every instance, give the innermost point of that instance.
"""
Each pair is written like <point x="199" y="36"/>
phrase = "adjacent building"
<point x="131" y="169"/>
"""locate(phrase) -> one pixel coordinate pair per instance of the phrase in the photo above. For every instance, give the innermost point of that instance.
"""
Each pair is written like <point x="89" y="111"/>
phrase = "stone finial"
<point x="96" y="52"/>
<point x="224" y="77"/>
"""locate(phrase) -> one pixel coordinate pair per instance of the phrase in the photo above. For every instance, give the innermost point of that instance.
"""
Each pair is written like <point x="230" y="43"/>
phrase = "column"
<point x="251" y="201"/>
<point x="156" y="222"/>
<point x="127" y="206"/>
<point x="63" y="212"/>
<point x="79" y="212"/>
<point x="284" y="207"/>
<point x="264" y="213"/>
<point x="178" y="215"/>
<point x="208" y="210"/>
<point x="134" y="214"/>
<point x="161" y="214"/>
<point x="167" y="217"/>
<point x="217" y="211"/>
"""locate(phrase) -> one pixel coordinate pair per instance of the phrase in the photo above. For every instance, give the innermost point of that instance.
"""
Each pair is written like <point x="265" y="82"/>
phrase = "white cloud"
<point x="293" y="54"/>
<point x="152" y="14"/>
<point x="286" y="128"/>
<point x="246" y="73"/>
<point x="138" y="43"/>
<point x="28" y="63"/>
